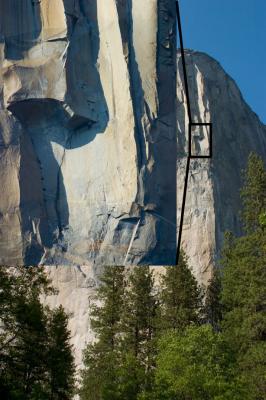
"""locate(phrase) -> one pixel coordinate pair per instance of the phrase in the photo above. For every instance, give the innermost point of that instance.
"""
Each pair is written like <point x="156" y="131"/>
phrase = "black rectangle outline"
<point x="209" y="124"/>
<point x="189" y="156"/>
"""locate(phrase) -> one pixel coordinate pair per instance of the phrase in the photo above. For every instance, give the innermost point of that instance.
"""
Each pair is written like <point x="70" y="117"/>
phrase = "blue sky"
<point x="234" y="33"/>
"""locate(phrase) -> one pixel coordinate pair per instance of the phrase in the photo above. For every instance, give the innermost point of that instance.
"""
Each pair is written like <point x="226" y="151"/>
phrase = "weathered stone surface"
<point x="88" y="99"/>
<point x="88" y="144"/>
<point x="213" y="197"/>
<point x="76" y="291"/>
<point x="213" y="200"/>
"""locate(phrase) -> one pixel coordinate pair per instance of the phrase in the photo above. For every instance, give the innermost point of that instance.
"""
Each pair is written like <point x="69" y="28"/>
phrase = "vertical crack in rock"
<point x="57" y="199"/>
<point x="131" y="241"/>
<point x="213" y="197"/>
<point x="85" y="81"/>
<point x="213" y="192"/>
<point x="125" y="12"/>
<point x="84" y="94"/>
<point x="153" y="125"/>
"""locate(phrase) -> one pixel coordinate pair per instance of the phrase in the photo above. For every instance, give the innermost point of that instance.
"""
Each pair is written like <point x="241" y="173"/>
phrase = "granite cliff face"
<point x="213" y="199"/>
<point x="213" y="192"/>
<point x="88" y="132"/>
<point x="88" y="149"/>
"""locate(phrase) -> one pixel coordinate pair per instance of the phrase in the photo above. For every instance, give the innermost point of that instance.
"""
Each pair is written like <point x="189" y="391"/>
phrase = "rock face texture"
<point x="213" y="200"/>
<point x="76" y="292"/>
<point x="76" y="288"/>
<point x="213" y="190"/>
<point x="93" y="144"/>
<point x="88" y="132"/>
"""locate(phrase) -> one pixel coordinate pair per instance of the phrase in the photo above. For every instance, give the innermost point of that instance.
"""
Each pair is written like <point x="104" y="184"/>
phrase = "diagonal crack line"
<point x="131" y="241"/>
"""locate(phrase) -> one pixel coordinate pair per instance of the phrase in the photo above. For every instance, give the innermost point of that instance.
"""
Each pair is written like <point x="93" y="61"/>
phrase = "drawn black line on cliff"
<point x="191" y="125"/>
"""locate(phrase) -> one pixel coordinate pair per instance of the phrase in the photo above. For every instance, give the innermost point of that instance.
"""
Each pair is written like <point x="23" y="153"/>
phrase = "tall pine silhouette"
<point x="139" y="329"/>
<point x="36" y="360"/>
<point x="244" y="285"/>
<point x="180" y="298"/>
<point x="102" y="358"/>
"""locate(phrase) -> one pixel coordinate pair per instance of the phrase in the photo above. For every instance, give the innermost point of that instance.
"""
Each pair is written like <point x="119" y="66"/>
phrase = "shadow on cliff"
<point x="156" y="202"/>
<point x="70" y="124"/>
<point x="20" y="25"/>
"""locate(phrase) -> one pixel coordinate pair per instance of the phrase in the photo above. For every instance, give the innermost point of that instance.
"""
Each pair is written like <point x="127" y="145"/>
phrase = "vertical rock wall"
<point x="213" y="190"/>
<point x="88" y="96"/>
<point x="88" y="127"/>
<point x="213" y="198"/>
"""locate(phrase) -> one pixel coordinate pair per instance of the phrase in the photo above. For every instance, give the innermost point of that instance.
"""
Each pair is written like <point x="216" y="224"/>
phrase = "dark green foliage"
<point x="102" y="359"/>
<point x="29" y="339"/>
<point x="244" y="285"/>
<point x="106" y="317"/>
<point x="180" y="298"/>
<point x="243" y="295"/>
<point x="254" y="193"/>
<point x="61" y="367"/>
<point x="213" y="306"/>
<point x="23" y="323"/>
<point x="195" y="364"/>
<point x="139" y="310"/>
<point x="166" y="345"/>
<point x="138" y="330"/>
<point x="262" y="220"/>
<point x="119" y="364"/>
<point x="244" y="303"/>
<point x="99" y="377"/>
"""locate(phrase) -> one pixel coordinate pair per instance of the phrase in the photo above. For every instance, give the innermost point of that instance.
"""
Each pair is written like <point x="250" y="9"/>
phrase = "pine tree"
<point x="212" y="305"/>
<point x="139" y="330"/>
<point x="244" y="304"/>
<point x="24" y="336"/>
<point x="195" y="364"/>
<point x="102" y="359"/>
<point x="139" y="310"/>
<point x="180" y="298"/>
<point x="60" y="358"/>
<point x="243" y="285"/>
<point x="118" y="364"/>
<point x="105" y="318"/>
<point x="253" y="193"/>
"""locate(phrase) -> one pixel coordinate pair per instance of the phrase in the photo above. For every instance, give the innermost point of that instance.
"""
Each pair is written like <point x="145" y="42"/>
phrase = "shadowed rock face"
<point x="88" y="132"/>
<point x="213" y="191"/>
<point x="213" y="198"/>
<point x="88" y="144"/>
<point x="88" y="137"/>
